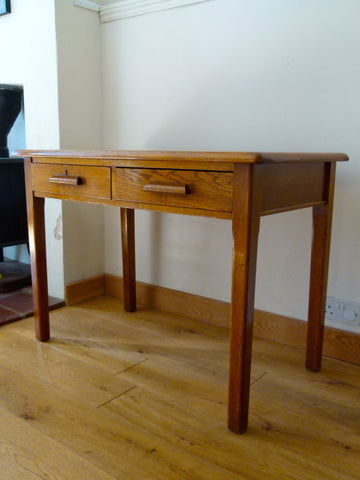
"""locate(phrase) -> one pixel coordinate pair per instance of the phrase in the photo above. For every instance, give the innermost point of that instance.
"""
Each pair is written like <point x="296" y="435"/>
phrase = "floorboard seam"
<point x="116" y="396"/>
<point x="130" y="367"/>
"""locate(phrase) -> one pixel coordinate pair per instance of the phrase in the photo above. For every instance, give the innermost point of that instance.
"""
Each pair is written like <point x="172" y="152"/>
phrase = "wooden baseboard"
<point x="84" y="290"/>
<point x="173" y="301"/>
<point x="338" y="344"/>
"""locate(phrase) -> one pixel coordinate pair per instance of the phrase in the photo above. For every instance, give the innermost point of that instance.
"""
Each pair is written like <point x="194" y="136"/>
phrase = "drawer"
<point x="72" y="180"/>
<point x="177" y="188"/>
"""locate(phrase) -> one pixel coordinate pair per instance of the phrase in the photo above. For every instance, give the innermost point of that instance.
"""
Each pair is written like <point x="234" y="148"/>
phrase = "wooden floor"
<point x="143" y="396"/>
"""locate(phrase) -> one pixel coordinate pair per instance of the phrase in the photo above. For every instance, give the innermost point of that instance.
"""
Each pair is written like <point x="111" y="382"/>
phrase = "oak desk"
<point x="237" y="186"/>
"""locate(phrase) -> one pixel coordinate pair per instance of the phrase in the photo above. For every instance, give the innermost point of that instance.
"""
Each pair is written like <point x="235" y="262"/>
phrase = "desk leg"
<point x="37" y="247"/>
<point x="322" y="219"/>
<point x="128" y="256"/>
<point x="245" y="223"/>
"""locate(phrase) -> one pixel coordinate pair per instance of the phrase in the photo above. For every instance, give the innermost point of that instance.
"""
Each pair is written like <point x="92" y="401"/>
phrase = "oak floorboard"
<point x="289" y="362"/>
<point x="324" y="419"/>
<point x="140" y="335"/>
<point x="84" y="382"/>
<point x="26" y="453"/>
<point x="202" y="394"/>
<point x="172" y="423"/>
<point x="245" y="456"/>
<point x="121" y="449"/>
<point x="86" y="338"/>
<point x="158" y="333"/>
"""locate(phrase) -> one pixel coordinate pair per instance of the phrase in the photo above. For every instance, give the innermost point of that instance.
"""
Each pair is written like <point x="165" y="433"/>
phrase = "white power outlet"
<point x="342" y="311"/>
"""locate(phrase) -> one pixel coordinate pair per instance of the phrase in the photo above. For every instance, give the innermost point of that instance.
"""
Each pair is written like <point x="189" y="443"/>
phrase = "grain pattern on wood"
<point x="199" y="308"/>
<point x="182" y="156"/>
<point x="85" y="382"/>
<point x="299" y="157"/>
<point x="83" y="335"/>
<point x="310" y="406"/>
<point x="172" y="424"/>
<point x="292" y="186"/>
<point x="121" y="449"/>
<point x="136" y="205"/>
<point x="146" y="156"/>
<point x="138" y="162"/>
<point x="29" y="454"/>
<point x="167" y="187"/>
<point x="246" y="224"/>
<point x="128" y="257"/>
<point x="90" y="181"/>
<point x="86" y="289"/>
<point x="338" y="344"/>
<point x="65" y="179"/>
<point x="207" y="190"/>
<point x="36" y="229"/>
<point x="320" y="252"/>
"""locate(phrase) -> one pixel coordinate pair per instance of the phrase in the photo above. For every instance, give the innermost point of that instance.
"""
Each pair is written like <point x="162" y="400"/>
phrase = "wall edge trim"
<point x="133" y="8"/>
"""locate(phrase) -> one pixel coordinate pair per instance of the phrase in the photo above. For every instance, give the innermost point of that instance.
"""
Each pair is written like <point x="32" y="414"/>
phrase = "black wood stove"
<point x="13" y="222"/>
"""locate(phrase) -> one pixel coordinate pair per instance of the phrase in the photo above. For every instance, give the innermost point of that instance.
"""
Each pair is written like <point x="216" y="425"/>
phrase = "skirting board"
<point x="338" y="344"/>
<point x="84" y="290"/>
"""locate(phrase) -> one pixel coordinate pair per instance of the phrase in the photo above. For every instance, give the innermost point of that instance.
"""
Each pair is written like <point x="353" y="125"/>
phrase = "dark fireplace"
<point x="13" y="222"/>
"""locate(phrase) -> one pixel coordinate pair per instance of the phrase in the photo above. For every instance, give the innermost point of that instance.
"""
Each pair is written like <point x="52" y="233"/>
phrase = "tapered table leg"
<point x="245" y="223"/>
<point x="322" y="219"/>
<point x="36" y="227"/>
<point x="128" y="256"/>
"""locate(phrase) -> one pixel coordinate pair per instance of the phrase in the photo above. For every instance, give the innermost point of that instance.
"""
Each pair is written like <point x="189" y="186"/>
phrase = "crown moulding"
<point x="132" y="8"/>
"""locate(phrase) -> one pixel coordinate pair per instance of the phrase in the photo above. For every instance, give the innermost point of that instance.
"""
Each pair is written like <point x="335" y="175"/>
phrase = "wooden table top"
<point x="218" y="157"/>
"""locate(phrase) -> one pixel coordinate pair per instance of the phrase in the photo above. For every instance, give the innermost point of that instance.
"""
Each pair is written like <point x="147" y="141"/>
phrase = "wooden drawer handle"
<point x="158" y="187"/>
<point x="65" y="179"/>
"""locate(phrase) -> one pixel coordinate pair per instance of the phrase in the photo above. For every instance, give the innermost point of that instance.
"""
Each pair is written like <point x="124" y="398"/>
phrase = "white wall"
<point x="238" y="75"/>
<point x="53" y="50"/>
<point x="28" y="58"/>
<point x="78" y="54"/>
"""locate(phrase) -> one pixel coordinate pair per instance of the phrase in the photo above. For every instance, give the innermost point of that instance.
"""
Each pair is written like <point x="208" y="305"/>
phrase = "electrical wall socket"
<point x="342" y="311"/>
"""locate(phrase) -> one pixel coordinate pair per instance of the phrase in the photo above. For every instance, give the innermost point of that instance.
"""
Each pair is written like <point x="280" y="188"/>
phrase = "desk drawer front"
<point x="72" y="180"/>
<point x="177" y="188"/>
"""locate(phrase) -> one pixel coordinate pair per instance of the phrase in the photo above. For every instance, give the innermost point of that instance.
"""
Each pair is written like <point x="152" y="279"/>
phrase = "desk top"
<point x="178" y="156"/>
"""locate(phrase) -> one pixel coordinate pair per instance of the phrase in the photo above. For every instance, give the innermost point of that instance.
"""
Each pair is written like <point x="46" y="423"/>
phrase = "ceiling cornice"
<point x="132" y="8"/>
<point x="89" y="4"/>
